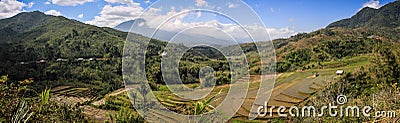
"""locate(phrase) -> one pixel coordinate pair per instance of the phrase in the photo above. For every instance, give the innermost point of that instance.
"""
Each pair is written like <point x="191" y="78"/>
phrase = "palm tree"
<point x="144" y="91"/>
<point x="134" y="96"/>
<point x="200" y="106"/>
<point x="21" y="115"/>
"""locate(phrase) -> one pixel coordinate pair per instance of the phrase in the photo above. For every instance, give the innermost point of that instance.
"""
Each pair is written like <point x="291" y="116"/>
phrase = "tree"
<point x="134" y="96"/>
<point x="144" y="91"/>
<point x="385" y="65"/>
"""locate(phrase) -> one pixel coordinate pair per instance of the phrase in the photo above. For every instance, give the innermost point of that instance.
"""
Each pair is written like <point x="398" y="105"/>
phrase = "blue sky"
<point x="291" y="15"/>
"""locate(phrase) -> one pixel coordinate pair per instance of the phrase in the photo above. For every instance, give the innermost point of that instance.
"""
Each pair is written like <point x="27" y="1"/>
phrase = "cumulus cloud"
<point x="281" y="32"/>
<point x="110" y="15"/>
<point x="30" y="4"/>
<point x="9" y="8"/>
<point x="53" y="12"/>
<point x="70" y="2"/>
<point x="47" y="2"/>
<point x="147" y="1"/>
<point x="178" y="24"/>
<point x="372" y="4"/>
<point x="80" y="16"/>
<point x="232" y="5"/>
<point x="126" y="2"/>
<point x="201" y="3"/>
<point x="259" y="33"/>
<point x="119" y="11"/>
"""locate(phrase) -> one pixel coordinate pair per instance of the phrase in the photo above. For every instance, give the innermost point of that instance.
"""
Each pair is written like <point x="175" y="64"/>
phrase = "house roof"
<point x="339" y="71"/>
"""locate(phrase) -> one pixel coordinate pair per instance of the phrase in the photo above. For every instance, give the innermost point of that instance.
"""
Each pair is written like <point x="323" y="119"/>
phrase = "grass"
<point x="44" y="98"/>
<point x="168" y="99"/>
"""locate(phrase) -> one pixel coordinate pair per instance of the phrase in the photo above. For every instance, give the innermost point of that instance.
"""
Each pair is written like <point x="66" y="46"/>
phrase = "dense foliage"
<point x="20" y="103"/>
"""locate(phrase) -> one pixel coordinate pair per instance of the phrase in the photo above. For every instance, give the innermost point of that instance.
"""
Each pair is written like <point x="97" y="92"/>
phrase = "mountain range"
<point x="179" y="37"/>
<point x="387" y="16"/>
<point x="32" y="36"/>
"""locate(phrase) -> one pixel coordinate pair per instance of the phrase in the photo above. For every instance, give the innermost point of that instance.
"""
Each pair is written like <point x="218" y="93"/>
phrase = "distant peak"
<point x="387" y="16"/>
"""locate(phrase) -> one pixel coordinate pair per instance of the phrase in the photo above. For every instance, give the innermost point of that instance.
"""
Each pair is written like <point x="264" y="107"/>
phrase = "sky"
<point x="282" y="18"/>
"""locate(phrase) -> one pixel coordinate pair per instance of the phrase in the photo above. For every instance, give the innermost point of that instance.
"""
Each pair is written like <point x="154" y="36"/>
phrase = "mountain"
<point x="126" y="26"/>
<point x="387" y="16"/>
<point x="32" y="36"/>
<point x="346" y="38"/>
<point x="186" y="38"/>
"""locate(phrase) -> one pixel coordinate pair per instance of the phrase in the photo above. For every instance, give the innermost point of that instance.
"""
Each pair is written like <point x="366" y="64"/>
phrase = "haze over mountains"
<point x="368" y="40"/>
<point x="180" y="37"/>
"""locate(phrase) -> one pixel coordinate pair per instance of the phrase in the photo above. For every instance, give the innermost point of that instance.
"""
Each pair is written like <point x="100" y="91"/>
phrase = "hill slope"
<point x="340" y="40"/>
<point x="387" y="16"/>
<point x="33" y="36"/>
<point x="31" y="43"/>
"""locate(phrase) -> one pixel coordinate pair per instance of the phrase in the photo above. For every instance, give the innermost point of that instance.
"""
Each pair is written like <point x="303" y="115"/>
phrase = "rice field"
<point x="290" y="89"/>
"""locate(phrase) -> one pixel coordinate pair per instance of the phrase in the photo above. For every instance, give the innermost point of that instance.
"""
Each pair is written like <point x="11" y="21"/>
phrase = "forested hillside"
<point x="60" y="51"/>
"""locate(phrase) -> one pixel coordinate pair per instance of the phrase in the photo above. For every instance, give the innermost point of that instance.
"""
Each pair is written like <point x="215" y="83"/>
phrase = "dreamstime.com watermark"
<point x="332" y="110"/>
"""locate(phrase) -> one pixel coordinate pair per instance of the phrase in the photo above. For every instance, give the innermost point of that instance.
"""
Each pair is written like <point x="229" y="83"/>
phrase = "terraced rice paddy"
<point x="284" y="94"/>
<point x="70" y="95"/>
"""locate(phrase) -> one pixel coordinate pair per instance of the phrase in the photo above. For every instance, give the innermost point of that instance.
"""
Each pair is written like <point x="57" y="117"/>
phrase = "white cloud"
<point x="9" y="8"/>
<point x="372" y="4"/>
<point x="201" y="3"/>
<point x="258" y="32"/>
<point x="53" y="12"/>
<point x="199" y="14"/>
<point x="110" y="16"/>
<point x="114" y="14"/>
<point x="70" y="2"/>
<point x="47" y="2"/>
<point x="30" y="4"/>
<point x="177" y="24"/>
<point x="281" y="32"/>
<point x="231" y="5"/>
<point x="147" y="1"/>
<point x="126" y="2"/>
<point x="80" y="16"/>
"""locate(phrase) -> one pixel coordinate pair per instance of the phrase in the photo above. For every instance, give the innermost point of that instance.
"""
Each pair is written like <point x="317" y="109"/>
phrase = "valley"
<point x="56" y="69"/>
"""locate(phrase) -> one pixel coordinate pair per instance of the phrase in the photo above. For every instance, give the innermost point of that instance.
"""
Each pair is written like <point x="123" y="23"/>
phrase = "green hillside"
<point x="346" y="38"/>
<point x="387" y="16"/>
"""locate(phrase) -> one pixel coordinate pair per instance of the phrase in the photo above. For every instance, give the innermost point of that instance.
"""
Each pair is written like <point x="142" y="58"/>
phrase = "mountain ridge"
<point x="387" y="16"/>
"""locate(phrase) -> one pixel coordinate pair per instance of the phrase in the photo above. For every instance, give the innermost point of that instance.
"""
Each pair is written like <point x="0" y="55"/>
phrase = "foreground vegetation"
<point x="20" y="103"/>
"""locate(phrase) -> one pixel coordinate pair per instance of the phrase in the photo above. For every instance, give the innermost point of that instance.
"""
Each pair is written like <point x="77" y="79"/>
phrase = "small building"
<point x="316" y="74"/>
<point x="62" y="60"/>
<point x="41" y="61"/>
<point x="101" y="59"/>
<point x="339" y="72"/>
<point x="80" y="59"/>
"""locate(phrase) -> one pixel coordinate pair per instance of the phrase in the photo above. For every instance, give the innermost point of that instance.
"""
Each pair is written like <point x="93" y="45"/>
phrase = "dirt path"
<point x="114" y="93"/>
